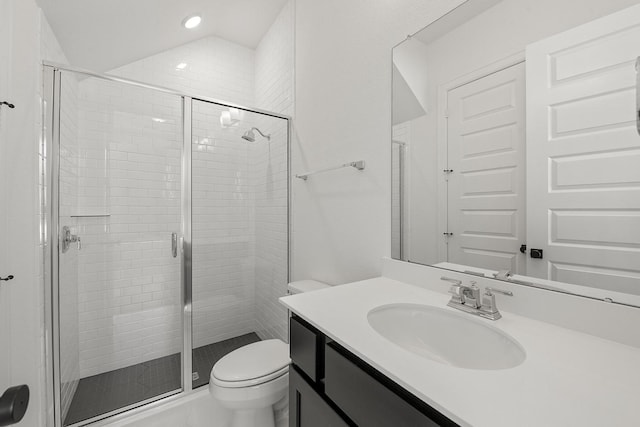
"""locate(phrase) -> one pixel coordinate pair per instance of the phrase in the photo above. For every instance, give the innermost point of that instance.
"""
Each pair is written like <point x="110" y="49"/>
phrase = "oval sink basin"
<point x="446" y="337"/>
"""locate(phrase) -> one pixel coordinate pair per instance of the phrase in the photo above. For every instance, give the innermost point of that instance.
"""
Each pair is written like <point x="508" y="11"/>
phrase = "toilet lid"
<point x="252" y="363"/>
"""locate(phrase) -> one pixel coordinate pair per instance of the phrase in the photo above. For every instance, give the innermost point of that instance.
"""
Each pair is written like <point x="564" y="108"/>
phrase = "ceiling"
<point x="103" y="34"/>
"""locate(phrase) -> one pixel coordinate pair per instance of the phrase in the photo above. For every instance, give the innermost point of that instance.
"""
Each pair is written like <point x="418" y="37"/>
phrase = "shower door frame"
<point x="50" y="145"/>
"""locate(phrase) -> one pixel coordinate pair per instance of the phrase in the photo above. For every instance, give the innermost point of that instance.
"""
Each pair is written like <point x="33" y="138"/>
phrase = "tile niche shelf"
<point x="90" y="214"/>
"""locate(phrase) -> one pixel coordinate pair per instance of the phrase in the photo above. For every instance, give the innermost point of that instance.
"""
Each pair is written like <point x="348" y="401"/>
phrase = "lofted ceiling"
<point x="103" y="34"/>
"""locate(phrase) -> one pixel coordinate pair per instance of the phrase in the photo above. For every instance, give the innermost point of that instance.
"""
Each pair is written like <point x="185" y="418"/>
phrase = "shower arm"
<point x="263" y="135"/>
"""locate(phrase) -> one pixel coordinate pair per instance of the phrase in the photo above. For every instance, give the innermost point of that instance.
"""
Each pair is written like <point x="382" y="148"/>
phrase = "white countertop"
<point x="568" y="379"/>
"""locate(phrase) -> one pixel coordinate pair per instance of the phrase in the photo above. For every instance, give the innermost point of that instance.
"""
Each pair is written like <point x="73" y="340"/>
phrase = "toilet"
<point x="251" y="380"/>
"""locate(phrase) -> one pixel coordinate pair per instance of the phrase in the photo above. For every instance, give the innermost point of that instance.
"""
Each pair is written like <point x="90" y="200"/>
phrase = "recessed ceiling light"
<point x="191" y="21"/>
<point x="181" y="66"/>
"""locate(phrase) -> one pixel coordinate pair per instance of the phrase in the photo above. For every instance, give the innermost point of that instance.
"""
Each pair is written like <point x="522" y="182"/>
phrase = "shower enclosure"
<point x="167" y="236"/>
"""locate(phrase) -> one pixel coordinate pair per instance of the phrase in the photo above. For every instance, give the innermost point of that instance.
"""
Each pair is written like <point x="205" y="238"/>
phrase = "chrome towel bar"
<point x="357" y="165"/>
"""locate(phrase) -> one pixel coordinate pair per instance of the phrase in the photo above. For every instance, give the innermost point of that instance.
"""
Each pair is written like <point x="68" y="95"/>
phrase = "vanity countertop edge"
<point x="569" y="378"/>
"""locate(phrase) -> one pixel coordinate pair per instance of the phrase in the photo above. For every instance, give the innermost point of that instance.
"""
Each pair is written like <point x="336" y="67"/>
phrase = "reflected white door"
<point x="486" y="201"/>
<point x="584" y="151"/>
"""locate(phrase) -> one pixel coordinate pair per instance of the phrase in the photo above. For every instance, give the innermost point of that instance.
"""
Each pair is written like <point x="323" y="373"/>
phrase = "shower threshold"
<point x="107" y="392"/>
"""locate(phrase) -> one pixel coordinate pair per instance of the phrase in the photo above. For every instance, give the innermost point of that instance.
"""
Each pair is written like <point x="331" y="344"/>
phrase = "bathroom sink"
<point x="446" y="337"/>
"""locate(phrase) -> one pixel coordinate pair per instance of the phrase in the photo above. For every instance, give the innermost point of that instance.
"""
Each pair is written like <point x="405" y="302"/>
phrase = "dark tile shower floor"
<point x="113" y="390"/>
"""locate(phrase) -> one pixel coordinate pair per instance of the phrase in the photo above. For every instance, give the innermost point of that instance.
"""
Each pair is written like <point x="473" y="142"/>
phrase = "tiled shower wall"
<point x="223" y="242"/>
<point x="274" y="91"/>
<point x="223" y="235"/>
<point x="128" y="206"/>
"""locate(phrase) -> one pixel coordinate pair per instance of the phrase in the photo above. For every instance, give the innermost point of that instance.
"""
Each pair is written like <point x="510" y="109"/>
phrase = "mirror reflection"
<point x="515" y="147"/>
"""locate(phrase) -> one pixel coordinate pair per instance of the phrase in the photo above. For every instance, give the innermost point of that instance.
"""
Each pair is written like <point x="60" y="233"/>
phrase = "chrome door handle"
<point x="174" y="244"/>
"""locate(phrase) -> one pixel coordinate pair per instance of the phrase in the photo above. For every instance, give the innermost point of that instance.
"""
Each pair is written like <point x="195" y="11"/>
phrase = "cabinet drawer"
<point x="306" y="347"/>
<point x="307" y="407"/>
<point x="370" y="399"/>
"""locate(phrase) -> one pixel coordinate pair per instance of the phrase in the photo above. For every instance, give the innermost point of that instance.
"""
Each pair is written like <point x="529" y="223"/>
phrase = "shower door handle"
<point x="174" y="244"/>
<point x="68" y="239"/>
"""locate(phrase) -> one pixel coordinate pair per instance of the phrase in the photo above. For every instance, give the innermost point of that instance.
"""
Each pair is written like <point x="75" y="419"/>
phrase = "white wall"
<point x="24" y="297"/>
<point x="215" y="68"/>
<point x="342" y="219"/>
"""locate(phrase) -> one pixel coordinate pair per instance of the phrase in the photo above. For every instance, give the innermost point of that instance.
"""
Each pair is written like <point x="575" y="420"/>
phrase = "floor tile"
<point x="106" y="392"/>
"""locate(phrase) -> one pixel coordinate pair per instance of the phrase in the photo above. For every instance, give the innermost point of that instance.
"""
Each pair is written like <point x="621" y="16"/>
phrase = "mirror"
<point x="515" y="145"/>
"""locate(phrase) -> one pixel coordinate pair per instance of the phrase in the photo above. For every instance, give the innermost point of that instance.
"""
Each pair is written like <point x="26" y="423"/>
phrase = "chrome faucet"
<point x="467" y="299"/>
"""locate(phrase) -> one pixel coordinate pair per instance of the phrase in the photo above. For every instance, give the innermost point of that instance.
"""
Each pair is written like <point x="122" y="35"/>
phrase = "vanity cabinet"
<point x="329" y="386"/>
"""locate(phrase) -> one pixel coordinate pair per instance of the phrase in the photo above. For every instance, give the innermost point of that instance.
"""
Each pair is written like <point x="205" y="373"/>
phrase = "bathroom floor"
<point x="106" y="392"/>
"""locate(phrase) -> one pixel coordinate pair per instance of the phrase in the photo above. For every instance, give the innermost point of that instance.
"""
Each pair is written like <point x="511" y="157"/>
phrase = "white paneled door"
<point x="486" y="148"/>
<point x="584" y="152"/>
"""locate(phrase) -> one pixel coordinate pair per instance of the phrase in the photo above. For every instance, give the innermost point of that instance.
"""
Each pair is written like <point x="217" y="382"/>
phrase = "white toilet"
<point x="254" y="378"/>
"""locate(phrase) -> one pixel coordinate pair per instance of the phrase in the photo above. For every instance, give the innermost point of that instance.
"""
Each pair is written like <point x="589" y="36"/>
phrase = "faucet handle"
<point x="489" y="291"/>
<point x="489" y="302"/>
<point x="456" y="292"/>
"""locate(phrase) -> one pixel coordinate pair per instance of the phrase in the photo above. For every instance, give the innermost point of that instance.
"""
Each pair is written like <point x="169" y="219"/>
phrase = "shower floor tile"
<point x="106" y="392"/>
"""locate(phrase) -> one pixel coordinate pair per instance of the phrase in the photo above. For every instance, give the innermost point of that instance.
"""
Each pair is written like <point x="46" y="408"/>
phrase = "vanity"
<point x="330" y="386"/>
<point x="345" y="372"/>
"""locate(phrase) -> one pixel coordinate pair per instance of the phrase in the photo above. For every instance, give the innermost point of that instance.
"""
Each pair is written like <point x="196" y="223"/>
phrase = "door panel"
<point x="584" y="183"/>
<point x="119" y="285"/>
<point x="486" y="187"/>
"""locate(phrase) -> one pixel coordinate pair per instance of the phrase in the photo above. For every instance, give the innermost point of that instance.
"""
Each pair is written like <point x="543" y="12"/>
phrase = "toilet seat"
<point x="251" y="365"/>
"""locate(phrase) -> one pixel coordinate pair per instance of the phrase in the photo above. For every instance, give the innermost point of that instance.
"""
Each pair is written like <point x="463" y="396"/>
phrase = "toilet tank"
<point x="300" y="286"/>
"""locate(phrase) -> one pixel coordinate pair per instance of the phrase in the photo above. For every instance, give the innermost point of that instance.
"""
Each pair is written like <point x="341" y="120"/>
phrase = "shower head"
<point x="251" y="136"/>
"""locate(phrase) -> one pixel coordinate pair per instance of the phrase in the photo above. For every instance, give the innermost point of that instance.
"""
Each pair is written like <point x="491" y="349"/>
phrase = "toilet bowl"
<point x="250" y="380"/>
<point x="253" y="380"/>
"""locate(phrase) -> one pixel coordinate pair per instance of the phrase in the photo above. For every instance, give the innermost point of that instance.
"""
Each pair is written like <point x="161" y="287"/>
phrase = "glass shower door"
<point x="120" y="333"/>
<point x="240" y="231"/>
